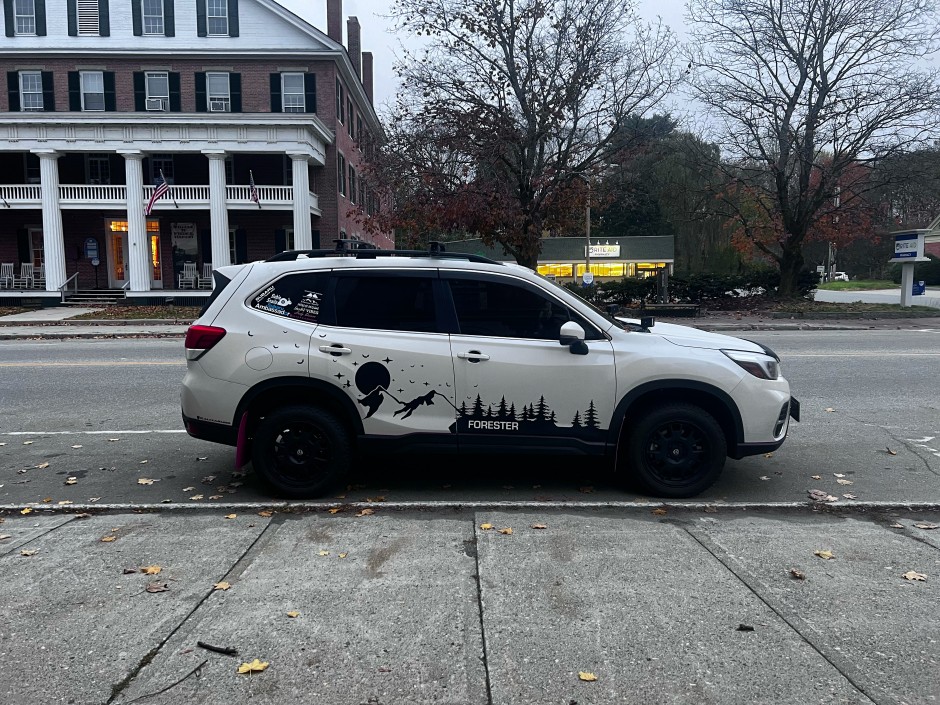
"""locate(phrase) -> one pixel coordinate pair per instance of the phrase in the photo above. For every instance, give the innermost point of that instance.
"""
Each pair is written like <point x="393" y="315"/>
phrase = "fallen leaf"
<point x="151" y="570"/>
<point x="144" y="462"/>
<point x="112" y="440"/>
<point x="898" y="526"/>
<point x="764" y="477"/>
<point x="343" y="555"/>
<point x="927" y="527"/>
<point x="265" y="513"/>
<point x="820" y="496"/>
<point x="797" y="574"/>
<point x="292" y="615"/>
<point x="65" y="501"/>
<point x="830" y="409"/>
<point x="507" y="531"/>
<point x="129" y="571"/>
<point x="144" y="481"/>
<point x="108" y="539"/>
<point x="201" y="458"/>
<point x="334" y="510"/>
<point x="216" y="496"/>
<point x="365" y="512"/>
<point x="816" y="477"/>
<point x="5" y="536"/>
<point x="768" y="455"/>
<point x="196" y="497"/>
<point x="71" y="480"/>
<point x="909" y="575"/>
<point x="76" y="446"/>
<point x="93" y="499"/>
<point x="27" y="443"/>
<point x="230" y="516"/>
<point x="27" y="510"/>
<point x="849" y="495"/>
<point x="486" y="527"/>
<point x="46" y="500"/>
<point x="29" y="551"/>
<point x="844" y="482"/>
<point x="659" y="511"/>
<point x="157" y="587"/>
<point x="837" y="474"/>
<point x="710" y="510"/>
<point x="539" y="526"/>
<point x="585" y="676"/>
<point x="221" y="586"/>
<point x="890" y="452"/>
<point x="208" y="479"/>
<point x="375" y="499"/>
<point x="188" y="489"/>
<point x="827" y="554"/>
<point x="83" y="515"/>
<point x="255" y="666"/>
<point x="42" y="465"/>
<point x="324" y="553"/>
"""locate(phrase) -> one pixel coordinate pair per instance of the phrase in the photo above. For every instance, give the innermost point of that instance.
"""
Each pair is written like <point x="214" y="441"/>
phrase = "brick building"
<point x="257" y="121"/>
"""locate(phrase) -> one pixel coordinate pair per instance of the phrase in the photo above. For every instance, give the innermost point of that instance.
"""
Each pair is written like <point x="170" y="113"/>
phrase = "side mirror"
<point x="572" y="335"/>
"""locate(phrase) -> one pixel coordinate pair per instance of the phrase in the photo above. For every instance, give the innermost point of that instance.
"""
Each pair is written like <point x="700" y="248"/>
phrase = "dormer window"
<point x="217" y="18"/>
<point x="152" y="12"/>
<point x="24" y="12"/>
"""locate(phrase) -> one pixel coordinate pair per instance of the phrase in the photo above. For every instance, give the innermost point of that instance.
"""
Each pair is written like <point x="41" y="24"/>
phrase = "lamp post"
<point x="587" y="227"/>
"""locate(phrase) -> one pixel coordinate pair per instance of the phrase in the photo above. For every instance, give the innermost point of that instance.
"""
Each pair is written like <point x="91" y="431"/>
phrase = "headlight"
<point x="758" y="364"/>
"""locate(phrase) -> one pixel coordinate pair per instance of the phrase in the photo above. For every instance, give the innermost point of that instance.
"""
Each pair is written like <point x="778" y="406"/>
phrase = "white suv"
<point x="306" y="359"/>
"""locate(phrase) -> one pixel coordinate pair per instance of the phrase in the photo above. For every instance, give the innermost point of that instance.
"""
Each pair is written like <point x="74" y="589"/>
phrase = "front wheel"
<point x="677" y="450"/>
<point x="301" y="451"/>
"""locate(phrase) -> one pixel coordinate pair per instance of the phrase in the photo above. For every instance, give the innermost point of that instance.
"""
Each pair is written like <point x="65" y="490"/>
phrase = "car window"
<point x="297" y="296"/>
<point x="492" y="308"/>
<point x="386" y="302"/>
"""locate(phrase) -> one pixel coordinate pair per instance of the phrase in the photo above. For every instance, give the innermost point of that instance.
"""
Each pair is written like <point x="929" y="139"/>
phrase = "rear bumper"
<point x="211" y="431"/>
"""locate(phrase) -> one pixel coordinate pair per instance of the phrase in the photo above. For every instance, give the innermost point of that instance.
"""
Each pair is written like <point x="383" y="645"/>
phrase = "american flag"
<point x="252" y="189"/>
<point x="161" y="190"/>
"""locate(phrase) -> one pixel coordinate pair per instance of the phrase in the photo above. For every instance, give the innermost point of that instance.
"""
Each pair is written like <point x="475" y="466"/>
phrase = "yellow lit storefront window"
<point x="605" y="269"/>
<point x="555" y="270"/>
<point x="120" y="226"/>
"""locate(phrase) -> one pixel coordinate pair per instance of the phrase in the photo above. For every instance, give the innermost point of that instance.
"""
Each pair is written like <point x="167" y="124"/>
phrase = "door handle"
<point x="335" y="349"/>
<point x="473" y="356"/>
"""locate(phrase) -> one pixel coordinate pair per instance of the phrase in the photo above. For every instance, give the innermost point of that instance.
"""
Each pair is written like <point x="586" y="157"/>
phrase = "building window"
<point x="288" y="171"/>
<point x="350" y="125"/>
<point x="158" y="91"/>
<point x="352" y="184"/>
<point x="217" y="18"/>
<point x="292" y="93"/>
<point x="340" y="102"/>
<point x="152" y="11"/>
<point x="341" y="169"/>
<point x="87" y="11"/>
<point x="31" y="90"/>
<point x="92" y="90"/>
<point x="24" y="12"/>
<point x="164" y="163"/>
<point x="32" y="169"/>
<point x="359" y="130"/>
<point x="217" y="91"/>
<point x="229" y="170"/>
<point x="99" y="170"/>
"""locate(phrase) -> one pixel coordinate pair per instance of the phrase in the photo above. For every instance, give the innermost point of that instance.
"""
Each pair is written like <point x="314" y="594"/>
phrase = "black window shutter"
<point x="205" y="244"/>
<point x="110" y="95"/>
<point x="200" y="92"/>
<point x="201" y="18"/>
<point x="40" y="18"/>
<point x="140" y="91"/>
<point x="104" y="19"/>
<point x="233" y="18"/>
<point x="9" y="19"/>
<point x="75" y="91"/>
<point x="310" y="93"/>
<point x="235" y="91"/>
<point x="137" y="18"/>
<point x="48" y="92"/>
<point x="23" y="250"/>
<point x="13" y="90"/>
<point x="169" y="19"/>
<point x="280" y="241"/>
<point x="276" y="93"/>
<point x="176" y="104"/>
<point x="241" y="246"/>
<point x="315" y="239"/>
<point x="73" y="18"/>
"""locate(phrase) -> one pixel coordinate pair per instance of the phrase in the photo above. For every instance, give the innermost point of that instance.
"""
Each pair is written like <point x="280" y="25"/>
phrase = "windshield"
<point x="564" y="291"/>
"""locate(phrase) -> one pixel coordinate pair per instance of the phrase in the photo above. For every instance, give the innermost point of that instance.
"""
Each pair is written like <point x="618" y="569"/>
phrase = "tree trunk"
<point x="791" y="264"/>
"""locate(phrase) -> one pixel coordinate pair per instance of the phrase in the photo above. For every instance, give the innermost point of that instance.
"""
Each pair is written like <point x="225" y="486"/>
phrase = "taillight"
<point x="201" y="339"/>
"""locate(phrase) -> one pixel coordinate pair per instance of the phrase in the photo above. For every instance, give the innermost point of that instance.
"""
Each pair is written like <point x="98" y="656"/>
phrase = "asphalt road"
<point x="106" y="413"/>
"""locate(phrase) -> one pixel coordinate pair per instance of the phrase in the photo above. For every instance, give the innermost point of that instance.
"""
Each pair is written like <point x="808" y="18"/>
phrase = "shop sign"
<point x="605" y="251"/>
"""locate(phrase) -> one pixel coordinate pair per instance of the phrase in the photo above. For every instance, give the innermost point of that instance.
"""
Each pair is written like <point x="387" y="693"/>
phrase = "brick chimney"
<point x="334" y="20"/>
<point x="355" y="45"/>
<point x="367" y="74"/>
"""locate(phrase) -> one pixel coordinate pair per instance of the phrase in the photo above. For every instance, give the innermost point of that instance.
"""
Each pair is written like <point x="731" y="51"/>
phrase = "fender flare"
<point x="313" y="387"/>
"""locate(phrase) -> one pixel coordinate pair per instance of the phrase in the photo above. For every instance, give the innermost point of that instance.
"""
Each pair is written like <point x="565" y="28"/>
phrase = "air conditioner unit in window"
<point x="218" y="106"/>
<point x="156" y="103"/>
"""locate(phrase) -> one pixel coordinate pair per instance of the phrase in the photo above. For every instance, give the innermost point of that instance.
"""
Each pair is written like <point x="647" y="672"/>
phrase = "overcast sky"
<point x="385" y="45"/>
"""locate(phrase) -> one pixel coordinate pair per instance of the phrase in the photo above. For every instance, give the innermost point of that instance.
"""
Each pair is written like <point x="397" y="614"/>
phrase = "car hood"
<point x="694" y="338"/>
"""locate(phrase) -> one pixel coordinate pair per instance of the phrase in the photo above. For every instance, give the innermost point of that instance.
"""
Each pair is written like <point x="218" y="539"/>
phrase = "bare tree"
<point x="520" y="99"/>
<point x="804" y="92"/>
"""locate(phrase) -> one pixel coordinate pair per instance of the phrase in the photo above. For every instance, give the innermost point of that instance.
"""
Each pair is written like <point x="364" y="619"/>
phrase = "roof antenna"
<point x="436" y="247"/>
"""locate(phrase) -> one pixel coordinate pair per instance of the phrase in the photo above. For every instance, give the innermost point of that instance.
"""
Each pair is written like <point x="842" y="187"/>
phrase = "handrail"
<point x="65" y="284"/>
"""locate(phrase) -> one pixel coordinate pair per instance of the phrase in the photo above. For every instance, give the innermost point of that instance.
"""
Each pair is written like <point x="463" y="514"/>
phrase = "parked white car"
<point x="305" y="360"/>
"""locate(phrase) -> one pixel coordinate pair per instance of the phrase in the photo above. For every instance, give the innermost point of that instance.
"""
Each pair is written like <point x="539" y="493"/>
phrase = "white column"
<point x="218" y="213"/>
<point x="53" y="241"/>
<point x="138" y="249"/>
<point x="303" y="235"/>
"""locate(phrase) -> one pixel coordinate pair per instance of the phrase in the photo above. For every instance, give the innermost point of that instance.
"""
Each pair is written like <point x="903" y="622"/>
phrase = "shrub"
<point x="927" y="272"/>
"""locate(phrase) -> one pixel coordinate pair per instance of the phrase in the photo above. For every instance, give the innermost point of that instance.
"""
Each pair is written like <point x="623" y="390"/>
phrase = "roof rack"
<point x="366" y="250"/>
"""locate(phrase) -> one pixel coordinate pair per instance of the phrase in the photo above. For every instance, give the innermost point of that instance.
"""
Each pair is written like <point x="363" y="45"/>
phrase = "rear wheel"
<point x="301" y="451"/>
<point x="677" y="450"/>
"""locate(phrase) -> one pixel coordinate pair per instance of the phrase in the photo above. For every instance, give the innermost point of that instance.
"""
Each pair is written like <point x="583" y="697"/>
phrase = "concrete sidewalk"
<point x="714" y="606"/>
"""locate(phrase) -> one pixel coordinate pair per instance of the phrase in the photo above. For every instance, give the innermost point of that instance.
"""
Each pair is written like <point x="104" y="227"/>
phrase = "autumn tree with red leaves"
<point x="507" y="106"/>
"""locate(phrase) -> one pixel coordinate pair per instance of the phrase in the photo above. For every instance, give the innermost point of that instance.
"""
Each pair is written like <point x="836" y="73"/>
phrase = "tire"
<point x="676" y="451"/>
<point x="301" y="451"/>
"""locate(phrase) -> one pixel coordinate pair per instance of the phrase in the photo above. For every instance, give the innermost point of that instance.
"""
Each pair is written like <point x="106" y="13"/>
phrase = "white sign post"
<point x="908" y="250"/>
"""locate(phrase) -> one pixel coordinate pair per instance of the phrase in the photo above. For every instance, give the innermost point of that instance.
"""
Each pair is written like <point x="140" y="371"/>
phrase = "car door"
<point x="383" y="347"/>
<point x="518" y="388"/>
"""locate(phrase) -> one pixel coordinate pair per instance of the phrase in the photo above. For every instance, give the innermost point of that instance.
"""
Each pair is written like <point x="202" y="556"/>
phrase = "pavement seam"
<point x="797" y="624"/>
<point x="120" y="687"/>
<point x="479" y="581"/>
